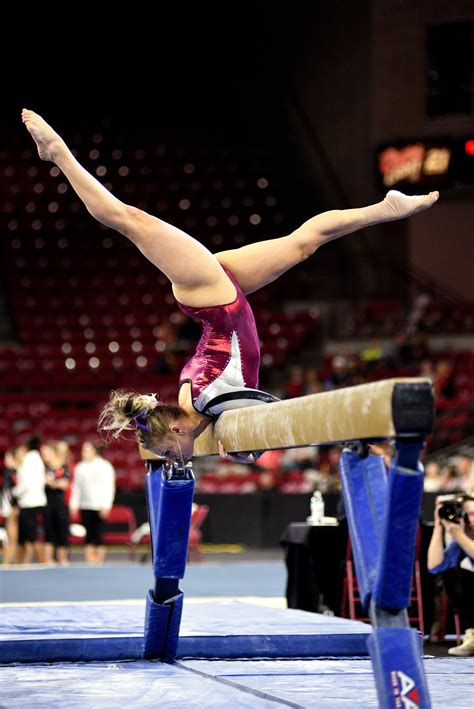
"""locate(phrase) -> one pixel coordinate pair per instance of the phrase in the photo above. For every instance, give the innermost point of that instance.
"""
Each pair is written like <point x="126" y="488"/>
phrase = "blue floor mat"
<point x="325" y="684"/>
<point x="135" y="684"/>
<point x="307" y="684"/>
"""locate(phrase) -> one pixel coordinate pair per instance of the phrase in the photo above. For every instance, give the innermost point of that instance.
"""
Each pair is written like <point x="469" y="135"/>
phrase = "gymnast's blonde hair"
<point x="142" y="413"/>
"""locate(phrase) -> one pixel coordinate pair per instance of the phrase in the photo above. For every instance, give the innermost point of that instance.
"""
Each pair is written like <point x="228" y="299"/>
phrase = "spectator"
<point x="167" y="346"/>
<point x="426" y="369"/>
<point x="420" y="347"/>
<point x="9" y="507"/>
<point x="93" y="492"/>
<point x="64" y="450"/>
<point x="295" y="385"/>
<point x="444" y="384"/>
<point x="188" y="331"/>
<point x="313" y="382"/>
<point x="371" y="355"/>
<point x="432" y="481"/>
<point x="456" y="564"/>
<point x="269" y="466"/>
<point x="385" y="449"/>
<point x="57" y="513"/>
<point x="451" y="481"/>
<point x="330" y="467"/>
<point x="465" y="471"/>
<point x="340" y="374"/>
<point x="304" y="458"/>
<point x="401" y="353"/>
<point x="29" y="491"/>
<point x="300" y="471"/>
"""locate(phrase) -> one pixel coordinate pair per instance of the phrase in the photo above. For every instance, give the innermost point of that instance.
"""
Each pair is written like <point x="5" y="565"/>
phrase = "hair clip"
<point x="152" y="403"/>
<point x="143" y="426"/>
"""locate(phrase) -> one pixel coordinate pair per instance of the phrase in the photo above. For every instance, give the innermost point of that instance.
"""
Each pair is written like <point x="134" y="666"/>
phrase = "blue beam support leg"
<point x="383" y="513"/>
<point x="364" y="484"/>
<point x="170" y="492"/>
<point x="405" y="489"/>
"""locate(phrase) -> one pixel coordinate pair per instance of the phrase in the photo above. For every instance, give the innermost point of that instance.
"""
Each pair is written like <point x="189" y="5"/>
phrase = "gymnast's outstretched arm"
<point x="194" y="272"/>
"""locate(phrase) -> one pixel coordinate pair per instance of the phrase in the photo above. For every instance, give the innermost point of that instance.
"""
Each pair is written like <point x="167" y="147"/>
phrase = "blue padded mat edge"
<point x="76" y="633"/>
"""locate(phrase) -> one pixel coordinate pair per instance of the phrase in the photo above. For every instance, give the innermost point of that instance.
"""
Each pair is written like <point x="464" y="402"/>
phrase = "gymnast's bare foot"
<point x="49" y="143"/>
<point x="398" y="205"/>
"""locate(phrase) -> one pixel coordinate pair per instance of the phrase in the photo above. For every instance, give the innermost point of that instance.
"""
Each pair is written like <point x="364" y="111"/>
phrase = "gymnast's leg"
<point x="194" y="272"/>
<point x="256" y="265"/>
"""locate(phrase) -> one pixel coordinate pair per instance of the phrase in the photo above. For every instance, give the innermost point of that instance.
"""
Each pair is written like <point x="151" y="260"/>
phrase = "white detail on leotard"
<point x="230" y="378"/>
<point x="230" y="383"/>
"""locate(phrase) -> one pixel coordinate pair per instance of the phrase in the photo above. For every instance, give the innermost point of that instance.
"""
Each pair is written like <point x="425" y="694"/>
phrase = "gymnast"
<point x="223" y="373"/>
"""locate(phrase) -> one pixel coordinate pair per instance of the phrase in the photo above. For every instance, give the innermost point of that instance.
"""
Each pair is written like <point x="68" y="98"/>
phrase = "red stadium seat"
<point x="123" y="518"/>
<point x="195" y="534"/>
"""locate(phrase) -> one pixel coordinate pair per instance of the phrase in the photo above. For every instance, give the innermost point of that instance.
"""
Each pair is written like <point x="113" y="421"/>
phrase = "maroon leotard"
<point x="227" y="356"/>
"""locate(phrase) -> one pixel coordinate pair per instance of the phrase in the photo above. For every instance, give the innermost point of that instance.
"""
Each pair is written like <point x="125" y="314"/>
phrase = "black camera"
<point x="452" y="509"/>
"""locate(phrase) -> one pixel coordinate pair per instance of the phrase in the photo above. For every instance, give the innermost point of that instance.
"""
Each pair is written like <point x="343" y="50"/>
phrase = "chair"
<point x="124" y="517"/>
<point x="351" y="600"/>
<point x="445" y="607"/>
<point x="195" y="535"/>
<point x="350" y="589"/>
<point x="142" y="535"/>
<point x="416" y="597"/>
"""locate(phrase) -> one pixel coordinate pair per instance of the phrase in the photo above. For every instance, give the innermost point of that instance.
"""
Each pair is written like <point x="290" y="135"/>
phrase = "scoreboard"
<point x="429" y="163"/>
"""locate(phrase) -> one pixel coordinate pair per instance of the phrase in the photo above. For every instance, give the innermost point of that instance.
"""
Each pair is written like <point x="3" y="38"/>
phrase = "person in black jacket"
<point x="56" y="512"/>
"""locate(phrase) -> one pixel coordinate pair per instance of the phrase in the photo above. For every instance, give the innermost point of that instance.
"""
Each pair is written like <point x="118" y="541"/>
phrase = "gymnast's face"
<point x="176" y="446"/>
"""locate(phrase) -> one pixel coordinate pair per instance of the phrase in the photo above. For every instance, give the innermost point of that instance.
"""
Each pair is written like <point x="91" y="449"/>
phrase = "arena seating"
<point x="91" y="314"/>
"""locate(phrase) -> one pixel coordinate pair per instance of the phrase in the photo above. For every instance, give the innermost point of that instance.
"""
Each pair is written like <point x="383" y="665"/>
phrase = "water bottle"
<point x="317" y="508"/>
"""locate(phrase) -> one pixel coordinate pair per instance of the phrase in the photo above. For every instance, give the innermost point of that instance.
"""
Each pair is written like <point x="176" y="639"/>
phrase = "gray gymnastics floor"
<point x="124" y="580"/>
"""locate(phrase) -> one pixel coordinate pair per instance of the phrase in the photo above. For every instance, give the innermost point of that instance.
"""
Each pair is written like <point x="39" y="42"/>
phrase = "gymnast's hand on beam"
<point x="245" y="457"/>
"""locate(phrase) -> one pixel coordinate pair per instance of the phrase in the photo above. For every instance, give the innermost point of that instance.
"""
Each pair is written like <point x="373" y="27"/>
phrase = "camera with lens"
<point x="451" y="509"/>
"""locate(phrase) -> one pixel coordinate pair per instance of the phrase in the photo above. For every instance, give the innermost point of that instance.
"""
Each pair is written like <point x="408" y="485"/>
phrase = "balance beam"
<point x="384" y="409"/>
<point x="382" y="511"/>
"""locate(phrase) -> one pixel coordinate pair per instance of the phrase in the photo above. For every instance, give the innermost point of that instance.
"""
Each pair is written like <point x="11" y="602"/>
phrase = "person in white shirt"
<point x="30" y="494"/>
<point x="432" y="482"/>
<point x="93" y="492"/>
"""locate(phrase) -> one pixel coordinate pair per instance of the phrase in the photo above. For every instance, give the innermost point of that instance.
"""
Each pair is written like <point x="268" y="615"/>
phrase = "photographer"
<point x="456" y="562"/>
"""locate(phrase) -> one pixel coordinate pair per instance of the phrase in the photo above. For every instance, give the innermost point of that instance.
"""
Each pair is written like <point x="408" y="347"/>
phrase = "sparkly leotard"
<point x="224" y="371"/>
